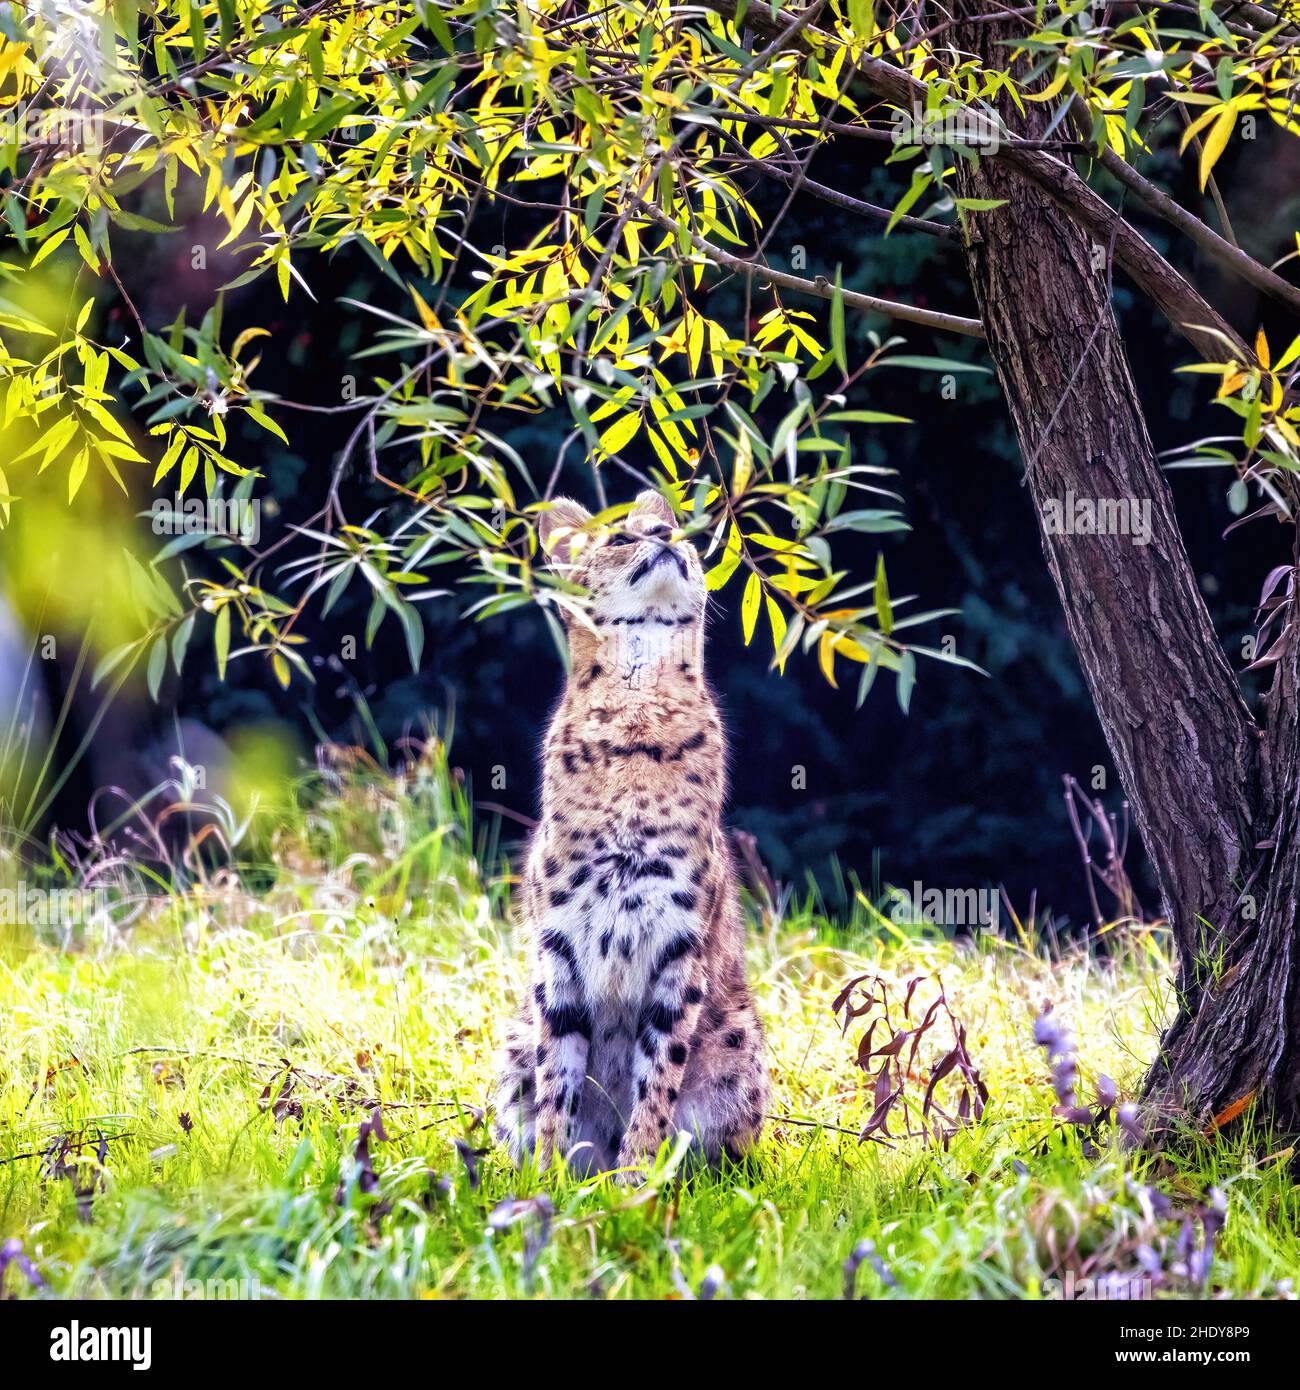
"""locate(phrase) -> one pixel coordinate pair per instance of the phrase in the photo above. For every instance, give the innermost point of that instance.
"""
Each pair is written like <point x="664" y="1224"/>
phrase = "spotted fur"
<point x="639" y="1021"/>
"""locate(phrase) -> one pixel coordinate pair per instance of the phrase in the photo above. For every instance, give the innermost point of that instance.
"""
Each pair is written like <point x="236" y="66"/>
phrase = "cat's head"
<point x="637" y="568"/>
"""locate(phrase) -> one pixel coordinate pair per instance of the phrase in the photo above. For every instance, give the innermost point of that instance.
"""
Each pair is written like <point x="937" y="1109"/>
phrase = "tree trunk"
<point x="1214" y="799"/>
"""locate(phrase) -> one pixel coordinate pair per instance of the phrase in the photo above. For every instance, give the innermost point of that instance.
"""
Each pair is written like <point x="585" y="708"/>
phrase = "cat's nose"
<point x="658" y="531"/>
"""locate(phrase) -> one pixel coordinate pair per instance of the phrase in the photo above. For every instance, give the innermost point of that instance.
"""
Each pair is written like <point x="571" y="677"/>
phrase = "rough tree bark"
<point x="1214" y="797"/>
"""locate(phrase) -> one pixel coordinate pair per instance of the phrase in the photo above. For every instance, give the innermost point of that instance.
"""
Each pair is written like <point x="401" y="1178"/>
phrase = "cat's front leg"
<point x="666" y="1025"/>
<point x="563" y="1023"/>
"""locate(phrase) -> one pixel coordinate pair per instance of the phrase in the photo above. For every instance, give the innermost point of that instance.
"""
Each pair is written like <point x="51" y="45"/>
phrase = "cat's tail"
<point x="515" y="1093"/>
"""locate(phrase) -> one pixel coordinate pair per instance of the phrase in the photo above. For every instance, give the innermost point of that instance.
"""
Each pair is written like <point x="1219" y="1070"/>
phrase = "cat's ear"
<point x="559" y="523"/>
<point x="654" y="504"/>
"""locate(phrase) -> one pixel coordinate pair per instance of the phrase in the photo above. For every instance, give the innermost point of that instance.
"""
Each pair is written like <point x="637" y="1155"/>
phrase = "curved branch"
<point x="1219" y="248"/>
<point x="1187" y="311"/>
<point x="868" y="211"/>
<point x="819" y="288"/>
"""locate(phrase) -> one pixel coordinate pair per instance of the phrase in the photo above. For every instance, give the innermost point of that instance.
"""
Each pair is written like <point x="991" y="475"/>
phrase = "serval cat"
<point x="639" y="1021"/>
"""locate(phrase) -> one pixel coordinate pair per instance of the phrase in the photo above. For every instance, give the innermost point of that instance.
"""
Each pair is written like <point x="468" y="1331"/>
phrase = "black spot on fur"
<point x="679" y="946"/>
<point x="677" y="1052"/>
<point x="568" y="1018"/>
<point x="663" y="1018"/>
<point x="695" y="741"/>
<point x="632" y="750"/>
<point x="558" y="944"/>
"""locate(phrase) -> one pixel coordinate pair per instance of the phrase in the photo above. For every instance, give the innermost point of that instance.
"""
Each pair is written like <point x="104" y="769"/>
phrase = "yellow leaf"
<point x="84" y="246"/>
<point x="1216" y="141"/>
<point x="1261" y="348"/>
<point x="1048" y="92"/>
<point x="1199" y="124"/>
<point x="246" y="337"/>
<point x="826" y="656"/>
<point x="1290" y="355"/>
<point x="1232" y="382"/>
<point x="427" y="317"/>
<point x="695" y="342"/>
<point x="77" y="474"/>
<point x="743" y="468"/>
<point x="620" y="433"/>
<point x="777" y="619"/>
<point x="725" y="567"/>
<point x="168" y="460"/>
<point x="1230" y="1112"/>
<point x="49" y="246"/>
<point x="749" y="604"/>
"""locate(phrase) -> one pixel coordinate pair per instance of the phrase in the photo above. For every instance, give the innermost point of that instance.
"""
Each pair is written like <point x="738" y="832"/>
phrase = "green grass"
<point x="373" y="956"/>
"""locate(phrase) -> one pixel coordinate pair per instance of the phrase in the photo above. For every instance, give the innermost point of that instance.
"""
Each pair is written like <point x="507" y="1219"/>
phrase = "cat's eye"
<point x="621" y="538"/>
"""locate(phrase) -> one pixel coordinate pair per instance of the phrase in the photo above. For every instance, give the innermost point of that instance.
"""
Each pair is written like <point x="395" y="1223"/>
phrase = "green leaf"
<point x="921" y="180"/>
<point x="157" y="666"/>
<point x="111" y="660"/>
<point x="221" y="639"/>
<point x="180" y="641"/>
<point x="837" y="325"/>
<point x="867" y="679"/>
<point x="906" y="680"/>
<point x="413" y="627"/>
<point x="884" y="612"/>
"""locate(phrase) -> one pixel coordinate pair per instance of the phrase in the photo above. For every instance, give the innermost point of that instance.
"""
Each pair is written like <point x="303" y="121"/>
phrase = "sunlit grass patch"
<point x="223" y="1051"/>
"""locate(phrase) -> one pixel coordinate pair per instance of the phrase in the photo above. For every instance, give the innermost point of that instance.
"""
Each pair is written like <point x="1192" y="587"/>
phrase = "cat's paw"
<point x="633" y="1154"/>
<point x="550" y="1141"/>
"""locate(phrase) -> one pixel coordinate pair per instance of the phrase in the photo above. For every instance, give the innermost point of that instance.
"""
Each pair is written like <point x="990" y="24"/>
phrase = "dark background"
<point x="964" y="792"/>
